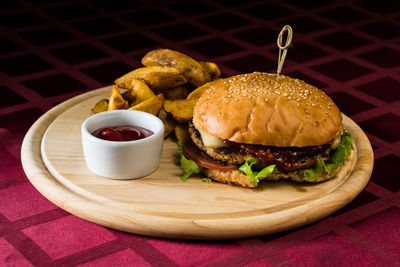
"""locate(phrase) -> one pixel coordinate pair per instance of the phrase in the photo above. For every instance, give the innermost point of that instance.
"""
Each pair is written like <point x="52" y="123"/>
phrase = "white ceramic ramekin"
<point x="126" y="159"/>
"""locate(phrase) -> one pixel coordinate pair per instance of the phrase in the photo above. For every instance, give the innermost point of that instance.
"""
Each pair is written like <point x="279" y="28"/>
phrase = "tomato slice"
<point x="191" y="151"/>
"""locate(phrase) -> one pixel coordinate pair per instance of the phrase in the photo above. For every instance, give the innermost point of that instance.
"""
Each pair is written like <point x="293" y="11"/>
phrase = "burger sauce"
<point x="122" y="133"/>
<point x="284" y="158"/>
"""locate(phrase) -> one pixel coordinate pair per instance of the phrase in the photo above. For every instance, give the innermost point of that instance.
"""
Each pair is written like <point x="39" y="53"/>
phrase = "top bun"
<point x="267" y="109"/>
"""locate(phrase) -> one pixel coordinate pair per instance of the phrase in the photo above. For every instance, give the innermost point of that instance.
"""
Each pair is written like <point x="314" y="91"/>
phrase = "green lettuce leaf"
<point x="314" y="172"/>
<point x="254" y="175"/>
<point x="343" y="151"/>
<point x="330" y="166"/>
<point x="338" y="156"/>
<point x="179" y="152"/>
<point x="188" y="166"/>
<point x="246" y="168"/>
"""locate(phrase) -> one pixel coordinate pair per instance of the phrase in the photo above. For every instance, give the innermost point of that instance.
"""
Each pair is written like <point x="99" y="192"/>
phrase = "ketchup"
<point x="122" y="133"/>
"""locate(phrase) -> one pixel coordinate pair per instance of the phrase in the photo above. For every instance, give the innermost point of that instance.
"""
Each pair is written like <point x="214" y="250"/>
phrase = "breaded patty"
<point x="224" y="154"/>
<point x="233" y="155"/>
<point x="238" y="178"/>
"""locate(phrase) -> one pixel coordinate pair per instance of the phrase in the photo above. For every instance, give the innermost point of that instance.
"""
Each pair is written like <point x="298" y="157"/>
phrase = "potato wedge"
<point x="152" y="105"/>
<point x="195" y="94"/>
<point x="194" y="72"/>
<point x="169" y="122"/>
<point x="100" y="106"/>
<point x="169" y="126"/>
<point x="212" y="69"/>
<point x="180" y="109"/>
<point x="116" y="100"/>
<point x="162" y="115"/>
<point x="157" y="77"/>
<point x="179" y="92"/>
<point x="139" y="92"/>
<point x="181" y="132"/>
<point x="129" y="96"/>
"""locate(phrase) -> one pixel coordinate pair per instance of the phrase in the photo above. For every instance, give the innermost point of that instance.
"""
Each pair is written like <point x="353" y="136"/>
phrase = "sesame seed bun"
<point x="270" y="110"/>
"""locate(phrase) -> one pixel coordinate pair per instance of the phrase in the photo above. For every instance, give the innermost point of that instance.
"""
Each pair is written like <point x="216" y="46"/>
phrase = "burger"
<point x="257" y="126"/>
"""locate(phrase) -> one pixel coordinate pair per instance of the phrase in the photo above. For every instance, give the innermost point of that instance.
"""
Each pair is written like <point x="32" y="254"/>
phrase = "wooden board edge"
<point x="197" y="229"/>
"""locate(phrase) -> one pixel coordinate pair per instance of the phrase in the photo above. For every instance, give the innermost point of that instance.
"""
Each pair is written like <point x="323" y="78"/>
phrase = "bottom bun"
<point x="238" y="178"/>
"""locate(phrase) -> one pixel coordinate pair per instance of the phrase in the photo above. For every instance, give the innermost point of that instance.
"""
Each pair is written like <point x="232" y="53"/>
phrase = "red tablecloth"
<point x="53" y="50"/>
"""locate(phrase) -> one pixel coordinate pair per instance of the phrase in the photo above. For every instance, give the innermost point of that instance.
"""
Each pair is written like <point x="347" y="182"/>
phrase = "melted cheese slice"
<point x="208" y="139"/>
<point x="336" y="142"/>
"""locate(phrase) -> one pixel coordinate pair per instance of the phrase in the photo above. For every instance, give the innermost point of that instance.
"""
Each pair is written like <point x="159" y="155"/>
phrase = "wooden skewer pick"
<point x="283" y="48"/>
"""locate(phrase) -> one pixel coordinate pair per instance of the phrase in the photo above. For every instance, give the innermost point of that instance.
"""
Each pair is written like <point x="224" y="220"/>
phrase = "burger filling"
<point x="286" y="159"/>
<point x="226" y="155"/>
<point x="207" y="139"/>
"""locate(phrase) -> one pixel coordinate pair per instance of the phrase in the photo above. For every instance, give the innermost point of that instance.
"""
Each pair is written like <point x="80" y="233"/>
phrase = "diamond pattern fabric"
<point x="53" y="50"/>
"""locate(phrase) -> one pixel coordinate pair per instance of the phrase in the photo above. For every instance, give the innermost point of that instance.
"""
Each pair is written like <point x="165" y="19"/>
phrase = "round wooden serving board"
<point x="160" y="204"/>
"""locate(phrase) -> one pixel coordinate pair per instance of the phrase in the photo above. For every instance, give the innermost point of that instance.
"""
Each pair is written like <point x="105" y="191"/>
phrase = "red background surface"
<point x="51" y="51"/>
